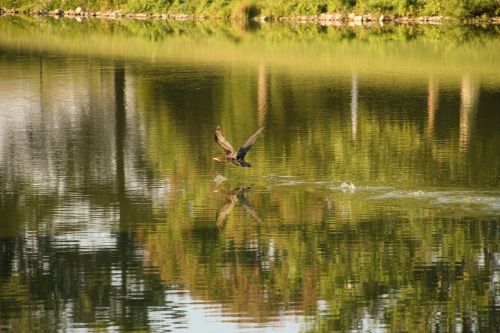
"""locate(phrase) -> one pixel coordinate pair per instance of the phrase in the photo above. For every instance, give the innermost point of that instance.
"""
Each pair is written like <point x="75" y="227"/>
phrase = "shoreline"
<point x="335" y="19"/>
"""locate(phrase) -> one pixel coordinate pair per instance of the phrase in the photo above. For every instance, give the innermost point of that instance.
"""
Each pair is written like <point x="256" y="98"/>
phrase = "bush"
<point x="340" y="5"/>
<point x="245" y="11"/>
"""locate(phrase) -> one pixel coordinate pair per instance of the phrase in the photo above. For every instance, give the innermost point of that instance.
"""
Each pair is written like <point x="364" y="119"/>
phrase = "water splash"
<point x="219" y="179"/>
<point x="474" y="201"/>
<point x="347" y="187"/>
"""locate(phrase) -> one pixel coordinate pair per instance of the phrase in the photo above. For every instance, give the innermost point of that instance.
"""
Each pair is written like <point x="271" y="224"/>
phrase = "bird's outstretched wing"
<point x="221" y="141"/>
<point x="246" y="147"/>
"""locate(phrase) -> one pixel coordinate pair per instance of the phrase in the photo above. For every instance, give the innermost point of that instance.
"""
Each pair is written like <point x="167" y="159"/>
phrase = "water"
<point x="373" y="202"/>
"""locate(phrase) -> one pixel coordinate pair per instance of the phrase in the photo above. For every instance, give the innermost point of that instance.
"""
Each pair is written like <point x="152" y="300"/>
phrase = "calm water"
<point x="373" y="203"/>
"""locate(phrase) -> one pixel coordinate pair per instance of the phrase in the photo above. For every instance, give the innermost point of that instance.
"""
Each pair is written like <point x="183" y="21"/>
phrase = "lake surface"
<point x="373" y="202"/>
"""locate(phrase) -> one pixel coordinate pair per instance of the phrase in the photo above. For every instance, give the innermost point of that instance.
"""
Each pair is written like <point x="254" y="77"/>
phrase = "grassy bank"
<point x="273" y="8"/>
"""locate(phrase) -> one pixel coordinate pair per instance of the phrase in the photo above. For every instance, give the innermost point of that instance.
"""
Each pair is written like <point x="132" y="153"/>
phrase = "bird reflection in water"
<point x="236" y="195"/>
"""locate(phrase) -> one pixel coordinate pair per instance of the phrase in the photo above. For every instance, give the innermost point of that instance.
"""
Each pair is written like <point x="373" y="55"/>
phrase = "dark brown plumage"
<point x="236" y="158"/>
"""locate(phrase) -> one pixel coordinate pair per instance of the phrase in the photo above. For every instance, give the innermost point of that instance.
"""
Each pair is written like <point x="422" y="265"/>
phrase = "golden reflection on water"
<point x="432" y="105"/>
<point x="469" y="97"/>
<point x="262" y="96"/>
<point x="354" y="106"/>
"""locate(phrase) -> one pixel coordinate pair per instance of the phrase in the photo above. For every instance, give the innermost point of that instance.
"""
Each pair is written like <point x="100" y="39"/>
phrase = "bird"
<point x="236" y="158"/>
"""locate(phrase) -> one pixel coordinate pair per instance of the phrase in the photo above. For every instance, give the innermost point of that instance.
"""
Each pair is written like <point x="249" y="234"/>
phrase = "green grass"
<point x="244" y="9"/>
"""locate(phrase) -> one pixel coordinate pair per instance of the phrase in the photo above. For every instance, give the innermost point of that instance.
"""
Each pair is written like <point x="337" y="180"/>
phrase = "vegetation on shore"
<point x="274" y="8"/>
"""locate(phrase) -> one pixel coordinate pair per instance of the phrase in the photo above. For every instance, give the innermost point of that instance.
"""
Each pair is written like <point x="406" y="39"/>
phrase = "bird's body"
<point x="233" y="157"/>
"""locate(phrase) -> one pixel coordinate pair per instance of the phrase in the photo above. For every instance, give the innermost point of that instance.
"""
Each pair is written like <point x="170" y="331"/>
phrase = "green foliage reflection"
<point x="121" y="151"/>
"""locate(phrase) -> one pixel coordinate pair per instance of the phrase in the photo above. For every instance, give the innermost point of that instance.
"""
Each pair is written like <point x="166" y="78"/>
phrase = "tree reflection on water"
<point x="110" y="218"/>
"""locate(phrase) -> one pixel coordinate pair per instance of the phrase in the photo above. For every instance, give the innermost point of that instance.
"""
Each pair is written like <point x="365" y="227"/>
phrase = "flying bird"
<point x="236" y="158"/>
